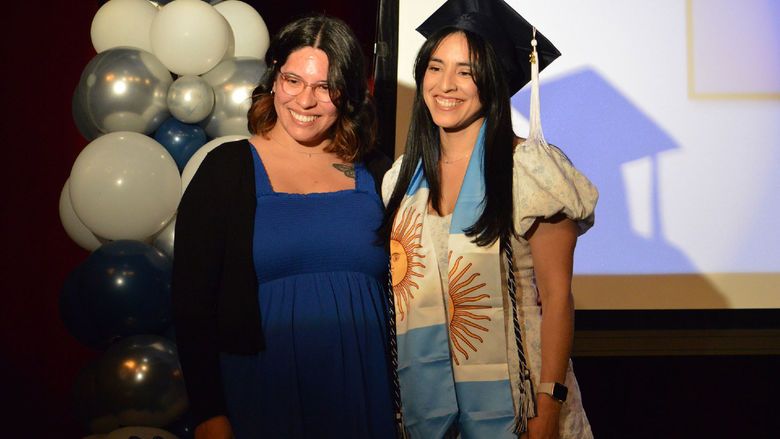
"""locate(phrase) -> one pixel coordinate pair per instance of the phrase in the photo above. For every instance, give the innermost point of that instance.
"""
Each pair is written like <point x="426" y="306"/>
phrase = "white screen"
<point x="673" y="110"/>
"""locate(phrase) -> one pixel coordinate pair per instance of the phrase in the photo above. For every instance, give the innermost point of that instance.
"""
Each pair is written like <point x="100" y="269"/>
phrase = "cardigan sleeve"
<point x="198" y="252"/>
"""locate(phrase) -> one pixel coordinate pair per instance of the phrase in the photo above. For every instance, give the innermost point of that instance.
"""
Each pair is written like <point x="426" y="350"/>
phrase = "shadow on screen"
<point x="600" y="130"/>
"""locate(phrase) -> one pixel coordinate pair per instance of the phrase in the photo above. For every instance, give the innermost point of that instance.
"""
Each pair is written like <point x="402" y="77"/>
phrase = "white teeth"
<point x="302" y="118"/>
<point x="448" y="102"/>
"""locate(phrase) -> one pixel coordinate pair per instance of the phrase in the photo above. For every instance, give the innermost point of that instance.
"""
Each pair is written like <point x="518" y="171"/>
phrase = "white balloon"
<point x="124" y="185"/>
<point x="249" y="29"/>
<point x="73" y="226"/>
<point x="123" y="23"/>
<point x="194" y="162"/>
<point x="141" y="433"/>
<point x="190" y="36"/>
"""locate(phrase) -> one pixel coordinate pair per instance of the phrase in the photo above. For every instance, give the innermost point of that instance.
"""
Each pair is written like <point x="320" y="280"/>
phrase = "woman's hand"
<point x="217" y="427"/>
<point x="545" y="424"/>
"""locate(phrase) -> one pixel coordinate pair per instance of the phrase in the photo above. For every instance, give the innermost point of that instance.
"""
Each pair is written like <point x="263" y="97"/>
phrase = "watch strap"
<point x="556" y="390"/>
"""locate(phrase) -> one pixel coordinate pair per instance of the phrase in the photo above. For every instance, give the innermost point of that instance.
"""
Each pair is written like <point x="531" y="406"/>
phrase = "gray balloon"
<point x="190" y="99"/>
<point x="165" y="238"/>
<point x="121" y="89"/>
<point x="233" y="81"/>
<point x="140" y="381"/>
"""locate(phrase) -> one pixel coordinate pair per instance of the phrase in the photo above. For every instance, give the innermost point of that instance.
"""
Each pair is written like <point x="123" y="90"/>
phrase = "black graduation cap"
<point x="502" y="27"/>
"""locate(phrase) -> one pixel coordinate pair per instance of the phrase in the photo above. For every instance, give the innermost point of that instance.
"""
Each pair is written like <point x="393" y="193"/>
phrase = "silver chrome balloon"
<point x="140" y="379"/>
<point x="233" y="81"/>
<point x="190" y="99"/>
<point x="164" y="240"/>
<point x="122" y="89"/>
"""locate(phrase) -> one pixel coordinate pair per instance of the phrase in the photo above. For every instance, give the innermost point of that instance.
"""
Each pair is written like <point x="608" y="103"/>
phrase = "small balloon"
<point x="122" y="89"/>
<point x="181" y="140"/>
<point x="190" y="99"/>
<point x="123" y="23"/>
<point x="73" y="226"/>
<point x="141" y="433"/>
<point x="249" y="29"/>
<point x="194" y="163"/>
<point x="140" y="380"/>
<point x="124" y="185"/>
<point x="190" y="37"/>
<point x="164" y="240"/>
<point x="233" y="81"/>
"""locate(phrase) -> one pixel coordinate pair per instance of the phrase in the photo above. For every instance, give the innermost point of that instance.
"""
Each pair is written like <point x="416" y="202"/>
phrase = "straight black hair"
<point x="423" y="143"/>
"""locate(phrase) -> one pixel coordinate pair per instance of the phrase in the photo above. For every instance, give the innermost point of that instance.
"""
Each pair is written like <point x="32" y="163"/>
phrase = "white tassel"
<point x="535" y="120"/>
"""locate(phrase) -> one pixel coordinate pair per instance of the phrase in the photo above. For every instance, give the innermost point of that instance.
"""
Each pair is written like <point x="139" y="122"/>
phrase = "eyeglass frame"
<point x="286" y="76"/>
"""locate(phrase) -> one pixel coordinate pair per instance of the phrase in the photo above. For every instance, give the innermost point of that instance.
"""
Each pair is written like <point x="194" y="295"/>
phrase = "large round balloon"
<point x="73" y="226"/>
<point x="233" y="81"/>
<point x="141" y="433"/>
<point x="122" y="89"/>
<point x="140" y="381"/>
<point x="88" y="404"/>
<point x="123" y="23"/>
<point x="249" y="29"/>
<point x="181" y="140"/>
<point x="124" y="185"/>
<point x="122" y="289"/>
<point x="190" y="36"/>
<point x="194" y="163"/>
<point x="190" y="99"/>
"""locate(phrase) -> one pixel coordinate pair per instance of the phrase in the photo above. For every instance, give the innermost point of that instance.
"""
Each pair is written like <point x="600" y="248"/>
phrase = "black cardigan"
<point x="214" y="288"/>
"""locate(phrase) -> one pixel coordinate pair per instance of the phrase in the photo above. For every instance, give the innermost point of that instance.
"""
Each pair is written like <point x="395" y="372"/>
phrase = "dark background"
<point x="45" y="46"/>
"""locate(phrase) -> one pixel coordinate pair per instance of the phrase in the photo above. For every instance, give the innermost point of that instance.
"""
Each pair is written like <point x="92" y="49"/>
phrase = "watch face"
<point x="560" y="391"/>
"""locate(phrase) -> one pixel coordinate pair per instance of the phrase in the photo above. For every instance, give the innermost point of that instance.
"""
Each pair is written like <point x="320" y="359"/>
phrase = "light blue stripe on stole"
<point x="418" y="180"/>
<point x="427" y="394"/>
<point x="469" y="206"/>
<point x="485" y="410"/>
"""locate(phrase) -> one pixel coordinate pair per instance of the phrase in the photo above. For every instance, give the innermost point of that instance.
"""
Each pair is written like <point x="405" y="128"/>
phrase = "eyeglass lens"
<point x="293" y="85"/>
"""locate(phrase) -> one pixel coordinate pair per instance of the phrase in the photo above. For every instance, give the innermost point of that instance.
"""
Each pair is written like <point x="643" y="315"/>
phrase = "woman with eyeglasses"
<point x="279" y="286"/>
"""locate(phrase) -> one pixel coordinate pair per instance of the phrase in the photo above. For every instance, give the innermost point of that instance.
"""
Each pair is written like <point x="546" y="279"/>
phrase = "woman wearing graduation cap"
<point x="482" y="227"/>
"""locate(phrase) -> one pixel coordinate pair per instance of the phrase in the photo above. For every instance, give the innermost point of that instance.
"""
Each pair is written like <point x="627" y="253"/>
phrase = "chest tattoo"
<point x="348" y="170"/>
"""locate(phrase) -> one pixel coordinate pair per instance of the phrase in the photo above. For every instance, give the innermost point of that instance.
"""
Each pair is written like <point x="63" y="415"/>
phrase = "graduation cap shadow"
<point x="600" y="129"/>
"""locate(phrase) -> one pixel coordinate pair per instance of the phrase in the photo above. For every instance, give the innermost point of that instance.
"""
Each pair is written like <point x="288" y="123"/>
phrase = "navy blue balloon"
<point x="123" y="288"/>
<point x="180" y="139"/>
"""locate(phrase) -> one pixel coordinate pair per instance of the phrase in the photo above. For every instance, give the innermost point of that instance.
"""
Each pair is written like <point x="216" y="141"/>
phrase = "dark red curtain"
<point x="45" y="46"/>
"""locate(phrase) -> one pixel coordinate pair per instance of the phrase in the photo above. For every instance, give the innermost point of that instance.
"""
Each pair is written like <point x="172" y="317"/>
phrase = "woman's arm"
<point x="198" y="251"/>
<point x="552" y="244"/>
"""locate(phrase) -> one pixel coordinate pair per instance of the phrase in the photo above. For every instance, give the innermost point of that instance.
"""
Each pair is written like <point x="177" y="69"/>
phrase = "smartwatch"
<point x="557" y="390"/>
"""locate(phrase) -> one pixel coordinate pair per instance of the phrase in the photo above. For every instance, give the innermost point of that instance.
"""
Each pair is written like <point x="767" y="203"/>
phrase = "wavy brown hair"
<point x="354" y="131"/>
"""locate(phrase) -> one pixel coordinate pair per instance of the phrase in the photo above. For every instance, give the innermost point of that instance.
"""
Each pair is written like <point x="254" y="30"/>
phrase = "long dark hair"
<point x="423" y="142"/>
<point x="355" y="130"/>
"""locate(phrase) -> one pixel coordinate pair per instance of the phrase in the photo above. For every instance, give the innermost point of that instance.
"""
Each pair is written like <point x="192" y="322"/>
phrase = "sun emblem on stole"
<point x="459" y="316"/>
<point x="404" y="242"/>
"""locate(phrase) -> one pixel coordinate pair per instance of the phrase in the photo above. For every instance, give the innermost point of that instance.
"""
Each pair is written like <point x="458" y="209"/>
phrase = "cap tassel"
<point x="535" y="120"/>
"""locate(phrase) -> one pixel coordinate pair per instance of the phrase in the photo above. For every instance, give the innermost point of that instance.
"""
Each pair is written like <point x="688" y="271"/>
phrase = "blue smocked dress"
<point x="321" y="291"/>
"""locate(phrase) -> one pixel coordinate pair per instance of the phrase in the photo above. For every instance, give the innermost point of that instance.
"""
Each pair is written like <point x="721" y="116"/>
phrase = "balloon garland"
<point x="171" y="80"/>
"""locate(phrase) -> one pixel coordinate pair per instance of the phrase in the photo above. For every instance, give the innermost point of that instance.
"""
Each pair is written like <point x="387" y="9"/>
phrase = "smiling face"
<point x="448" y="86"/>
<point x="303" y="117"/>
